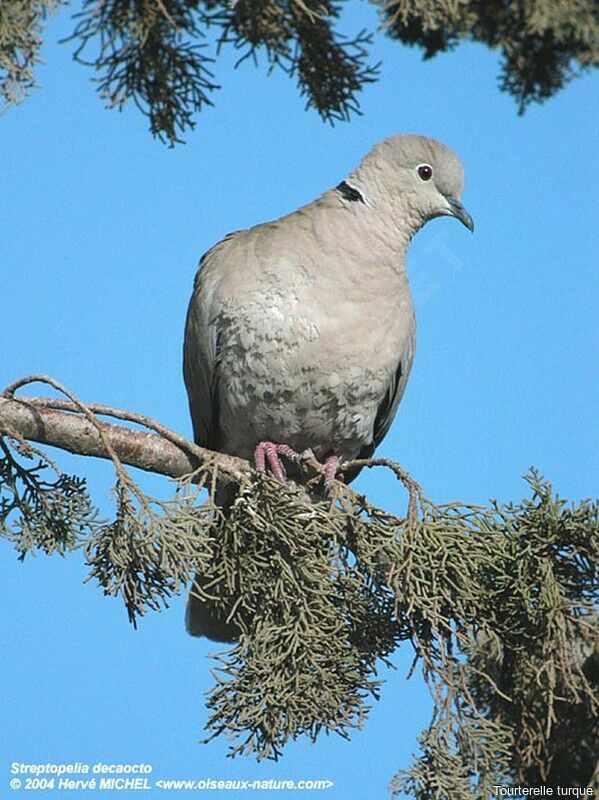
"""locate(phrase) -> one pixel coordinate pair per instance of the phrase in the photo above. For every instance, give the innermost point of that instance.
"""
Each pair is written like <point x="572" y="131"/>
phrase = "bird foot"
<point x="269" y="452"/>
<point x="331" y="468"/>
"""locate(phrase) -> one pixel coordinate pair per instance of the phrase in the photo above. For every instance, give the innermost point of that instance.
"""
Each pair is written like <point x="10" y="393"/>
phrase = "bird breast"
<point x="306" y="355"/>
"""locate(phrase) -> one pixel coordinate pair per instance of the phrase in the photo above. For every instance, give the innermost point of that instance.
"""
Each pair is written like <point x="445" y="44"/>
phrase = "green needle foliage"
<point x="161" y="53"/>
<point x="543" y="44"/>
<point x="21" y="28"/>
<point x="499" y="605"/>
<point x="149" y="55"/>
<point x="51" y="514"/>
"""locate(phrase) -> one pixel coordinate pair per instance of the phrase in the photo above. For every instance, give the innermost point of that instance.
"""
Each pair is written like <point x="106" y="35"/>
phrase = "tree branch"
<point x="39" y="420"/>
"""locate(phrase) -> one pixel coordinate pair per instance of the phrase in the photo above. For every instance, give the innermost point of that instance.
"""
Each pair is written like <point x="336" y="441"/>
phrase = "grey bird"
<point x="300" y="332"/>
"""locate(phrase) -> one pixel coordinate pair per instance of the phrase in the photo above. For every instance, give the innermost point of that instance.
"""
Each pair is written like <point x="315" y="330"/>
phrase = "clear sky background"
<point x="102" y="228"/>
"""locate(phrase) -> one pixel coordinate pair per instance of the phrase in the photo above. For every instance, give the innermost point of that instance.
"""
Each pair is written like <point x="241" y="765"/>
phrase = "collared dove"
<point x="300" y="332"/>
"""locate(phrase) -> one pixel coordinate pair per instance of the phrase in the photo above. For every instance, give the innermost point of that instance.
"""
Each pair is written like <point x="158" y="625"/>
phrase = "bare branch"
<point x="35" y="419"/>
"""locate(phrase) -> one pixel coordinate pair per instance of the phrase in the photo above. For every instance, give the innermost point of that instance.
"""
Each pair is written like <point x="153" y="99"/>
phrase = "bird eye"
<point x="425" y="172"/>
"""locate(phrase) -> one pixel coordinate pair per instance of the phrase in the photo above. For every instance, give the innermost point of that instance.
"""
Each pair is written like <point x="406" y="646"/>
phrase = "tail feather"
<point x="201" y="620"/>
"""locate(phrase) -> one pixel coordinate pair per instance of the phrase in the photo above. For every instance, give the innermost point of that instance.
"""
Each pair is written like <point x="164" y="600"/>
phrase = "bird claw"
<point x="328" y="469"/>
<point x="269" y="452"/>
<point x="331" y="468"/>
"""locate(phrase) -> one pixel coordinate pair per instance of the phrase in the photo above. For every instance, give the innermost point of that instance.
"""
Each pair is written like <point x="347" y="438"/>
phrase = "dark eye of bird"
<point x="425" y="172"/>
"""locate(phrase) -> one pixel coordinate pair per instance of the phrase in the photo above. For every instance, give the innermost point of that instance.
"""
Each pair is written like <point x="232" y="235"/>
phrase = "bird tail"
<point x="200" y="618"/>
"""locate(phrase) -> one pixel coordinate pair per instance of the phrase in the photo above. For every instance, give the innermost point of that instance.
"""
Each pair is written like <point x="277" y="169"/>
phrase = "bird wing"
<point x="388" y="407"/>
<point x="201" y="351"/>
<point x="392" y="397"/>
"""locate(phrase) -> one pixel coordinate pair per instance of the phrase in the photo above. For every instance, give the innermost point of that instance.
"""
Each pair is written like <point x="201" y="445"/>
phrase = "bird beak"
<point x="457" y="210"/>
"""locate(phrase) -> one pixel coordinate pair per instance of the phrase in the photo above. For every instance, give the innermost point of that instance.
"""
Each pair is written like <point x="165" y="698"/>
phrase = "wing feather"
<point x="390" y="401"/>
<point x="201" y="351"/>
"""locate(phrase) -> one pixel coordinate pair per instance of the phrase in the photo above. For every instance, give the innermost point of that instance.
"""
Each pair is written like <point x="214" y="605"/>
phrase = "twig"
<point x="414" y="489"/>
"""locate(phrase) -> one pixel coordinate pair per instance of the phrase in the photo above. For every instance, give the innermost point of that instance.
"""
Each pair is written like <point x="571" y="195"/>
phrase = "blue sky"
<point x="102" y="231"/>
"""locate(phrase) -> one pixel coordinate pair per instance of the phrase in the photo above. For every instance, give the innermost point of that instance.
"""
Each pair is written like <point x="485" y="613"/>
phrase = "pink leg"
<point x="331" y="467"/>
<point x="269" y="452"/>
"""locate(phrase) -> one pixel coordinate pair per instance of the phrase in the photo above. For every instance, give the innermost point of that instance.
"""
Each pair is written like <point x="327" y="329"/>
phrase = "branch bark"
<point x="39" y="420"/>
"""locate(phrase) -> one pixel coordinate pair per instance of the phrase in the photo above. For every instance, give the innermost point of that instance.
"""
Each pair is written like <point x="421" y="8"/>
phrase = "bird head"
<point x="418" y="177"/>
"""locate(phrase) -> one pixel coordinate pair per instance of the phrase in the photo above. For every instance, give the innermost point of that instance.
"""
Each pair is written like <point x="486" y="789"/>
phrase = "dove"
<point x="300" y="333"/>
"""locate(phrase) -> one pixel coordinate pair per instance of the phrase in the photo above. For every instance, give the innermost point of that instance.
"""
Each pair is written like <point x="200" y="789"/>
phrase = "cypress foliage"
<point x="498" y="603"/>
<point x="161" y="54"/>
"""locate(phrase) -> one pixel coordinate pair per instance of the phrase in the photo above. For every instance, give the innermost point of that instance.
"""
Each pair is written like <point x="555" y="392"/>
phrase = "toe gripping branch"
<point x="269" y="452"/>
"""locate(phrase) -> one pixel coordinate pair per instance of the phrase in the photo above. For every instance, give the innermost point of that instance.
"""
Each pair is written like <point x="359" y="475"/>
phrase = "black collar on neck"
<point x="349" y="193"/>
